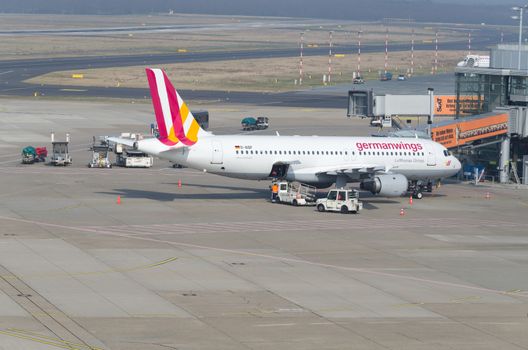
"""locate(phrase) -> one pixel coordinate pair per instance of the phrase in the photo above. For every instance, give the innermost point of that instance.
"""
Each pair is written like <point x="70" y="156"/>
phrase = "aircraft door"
<point x="431" y="156"/>
<point x="217" y="153"/>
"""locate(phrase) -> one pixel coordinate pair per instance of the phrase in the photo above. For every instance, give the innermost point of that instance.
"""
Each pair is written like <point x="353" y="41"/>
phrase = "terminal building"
<point x="484" y="123"/>
<point x="501" y="89"/>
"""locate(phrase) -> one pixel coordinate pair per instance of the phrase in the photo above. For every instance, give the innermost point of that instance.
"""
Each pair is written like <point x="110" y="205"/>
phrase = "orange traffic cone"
<point x="179" y="183"/>
<point x="410" y="200"/>
<point x="402" y="212"/>
<point x="488" y="196"/>
<point x="118" y="199"/>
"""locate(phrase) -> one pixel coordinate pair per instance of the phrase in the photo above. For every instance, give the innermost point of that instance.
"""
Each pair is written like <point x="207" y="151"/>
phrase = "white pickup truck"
<point x="344" y="201"/>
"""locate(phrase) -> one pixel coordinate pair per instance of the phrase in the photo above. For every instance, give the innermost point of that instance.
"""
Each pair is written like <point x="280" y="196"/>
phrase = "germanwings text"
<point x="415" y="147"/>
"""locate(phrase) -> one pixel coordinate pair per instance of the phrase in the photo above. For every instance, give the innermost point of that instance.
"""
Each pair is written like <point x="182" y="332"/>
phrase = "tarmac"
<point x="215" y="265"/>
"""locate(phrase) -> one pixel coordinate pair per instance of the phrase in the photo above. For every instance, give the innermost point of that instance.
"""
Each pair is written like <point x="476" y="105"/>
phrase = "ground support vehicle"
<point x="249" y="123"/>
<point x="417" y="188"/>
<point x="60" y="154"/>
<point x="42" y="153"/>
<point x="296" y="193"/>
<point x="386" y="76"/>
<point x="100" y="155"/>
<point x="341" y="200"/>
<point x="358" y="80"/>
<point x="134" y="159"/>
<point x="262" y="123"/>
<point x="29" y="155"/>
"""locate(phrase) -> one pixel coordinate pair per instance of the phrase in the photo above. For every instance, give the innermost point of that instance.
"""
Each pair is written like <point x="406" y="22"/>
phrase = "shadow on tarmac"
<point x="242" y="193"/>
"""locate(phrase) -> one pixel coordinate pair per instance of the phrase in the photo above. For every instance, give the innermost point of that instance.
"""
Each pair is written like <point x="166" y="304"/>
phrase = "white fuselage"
<point x="252" y="157"/>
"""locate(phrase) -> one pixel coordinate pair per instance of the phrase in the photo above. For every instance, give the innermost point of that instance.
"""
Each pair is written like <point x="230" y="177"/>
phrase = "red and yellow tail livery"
<point x="176" y="123"/>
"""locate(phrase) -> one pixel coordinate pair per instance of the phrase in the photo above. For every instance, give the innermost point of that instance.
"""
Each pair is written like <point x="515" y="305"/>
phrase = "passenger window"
<point x="347" y="153"/>
<point x="341" y="196"/>
<point x="326" y="152"/>
<point x="332" y="195"/>
<point x="236" y="152"/>
<point x="317" y="152"/>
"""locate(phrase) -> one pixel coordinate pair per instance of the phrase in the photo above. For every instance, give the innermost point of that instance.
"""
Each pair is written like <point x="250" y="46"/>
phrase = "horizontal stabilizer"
<point x="122" y="141"/>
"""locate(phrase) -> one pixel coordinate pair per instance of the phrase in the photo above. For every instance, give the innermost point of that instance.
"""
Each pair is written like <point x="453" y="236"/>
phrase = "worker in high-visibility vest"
<point x="274" y="192"/>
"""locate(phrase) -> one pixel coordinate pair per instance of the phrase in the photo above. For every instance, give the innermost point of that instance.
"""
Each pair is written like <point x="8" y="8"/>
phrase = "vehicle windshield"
<point x="332" y="195"/>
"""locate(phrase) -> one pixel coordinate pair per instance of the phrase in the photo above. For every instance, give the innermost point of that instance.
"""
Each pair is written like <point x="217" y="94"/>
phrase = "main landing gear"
<point x="417" y="188"/>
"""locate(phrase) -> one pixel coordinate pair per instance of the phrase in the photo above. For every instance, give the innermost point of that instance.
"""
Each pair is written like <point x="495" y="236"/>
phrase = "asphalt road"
<point x="14" y="72"/>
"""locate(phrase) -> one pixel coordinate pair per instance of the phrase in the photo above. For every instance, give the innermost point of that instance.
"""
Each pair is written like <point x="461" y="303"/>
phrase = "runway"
<point x="14" y="72"/>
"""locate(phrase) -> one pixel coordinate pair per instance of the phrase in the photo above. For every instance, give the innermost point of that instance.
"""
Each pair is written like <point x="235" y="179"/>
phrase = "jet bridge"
<point x="385" y="109"/>
<point x="504" y="125"/>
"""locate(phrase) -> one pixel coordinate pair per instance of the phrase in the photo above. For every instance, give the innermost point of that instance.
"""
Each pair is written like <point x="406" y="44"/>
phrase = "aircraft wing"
<point x="349" y="169"/>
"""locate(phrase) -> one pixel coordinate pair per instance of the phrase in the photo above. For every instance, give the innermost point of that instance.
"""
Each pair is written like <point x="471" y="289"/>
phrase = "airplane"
<point x="382" y="165"/>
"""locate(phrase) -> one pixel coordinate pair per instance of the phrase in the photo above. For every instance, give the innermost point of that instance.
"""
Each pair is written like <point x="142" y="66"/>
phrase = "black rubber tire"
<point x="418" y="195"/>
<point x="320" y="208"/>
<point x="295" y="203"/>
<point x="344" y="209"/>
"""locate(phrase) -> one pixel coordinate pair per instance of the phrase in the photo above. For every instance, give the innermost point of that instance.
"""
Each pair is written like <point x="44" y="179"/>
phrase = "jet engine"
<point x="386" y="185"/>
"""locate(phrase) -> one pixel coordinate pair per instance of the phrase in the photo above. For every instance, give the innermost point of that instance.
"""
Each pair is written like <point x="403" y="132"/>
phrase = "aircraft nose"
<point x="458" y="165"/>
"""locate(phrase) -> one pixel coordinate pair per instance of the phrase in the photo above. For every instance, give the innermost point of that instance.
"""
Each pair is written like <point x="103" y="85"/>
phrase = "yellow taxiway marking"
<point x="513" y="291"/>
<point x="90" y="273"/>
<point x="409" y="304"/>
<point x="38" y="338"/>
<point x="465" y="299"/>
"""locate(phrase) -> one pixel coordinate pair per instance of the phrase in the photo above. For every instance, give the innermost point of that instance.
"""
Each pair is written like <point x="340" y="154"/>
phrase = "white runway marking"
<point x="293" y="225"/>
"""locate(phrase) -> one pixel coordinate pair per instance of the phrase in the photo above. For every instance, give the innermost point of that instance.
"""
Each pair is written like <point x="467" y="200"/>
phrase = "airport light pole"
<point x="519" y="9"/>
<point x="301" y="59"/>
<point x="412" y="53"/>
<point x="359" y="54"/>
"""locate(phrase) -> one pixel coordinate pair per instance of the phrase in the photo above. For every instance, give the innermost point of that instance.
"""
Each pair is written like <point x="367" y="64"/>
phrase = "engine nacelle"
<point x="386" y="185"/>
